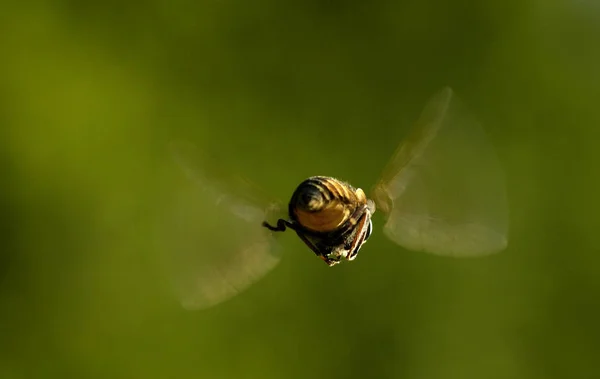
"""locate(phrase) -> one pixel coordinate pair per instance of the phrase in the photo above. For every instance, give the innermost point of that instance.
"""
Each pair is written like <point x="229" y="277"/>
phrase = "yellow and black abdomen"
<point x="323" y="204"/>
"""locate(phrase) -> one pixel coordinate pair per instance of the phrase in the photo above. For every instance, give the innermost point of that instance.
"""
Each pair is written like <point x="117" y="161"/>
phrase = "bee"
<point x="441" y="192"/>
<point x="330" y="216"/>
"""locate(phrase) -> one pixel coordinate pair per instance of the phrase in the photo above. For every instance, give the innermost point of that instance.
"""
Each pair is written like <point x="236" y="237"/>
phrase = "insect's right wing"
<point x="443" y="190"/>
<point x="213" y="233"/>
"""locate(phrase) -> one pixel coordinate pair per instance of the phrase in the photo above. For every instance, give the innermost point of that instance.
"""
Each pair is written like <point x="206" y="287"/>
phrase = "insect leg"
<point x="359" y="238"/>
<point x="281" y="225"/>
<point x="316" y="250"/>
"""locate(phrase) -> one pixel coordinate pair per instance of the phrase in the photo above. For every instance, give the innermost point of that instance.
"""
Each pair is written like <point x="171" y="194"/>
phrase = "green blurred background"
<point x="91" y="92"/>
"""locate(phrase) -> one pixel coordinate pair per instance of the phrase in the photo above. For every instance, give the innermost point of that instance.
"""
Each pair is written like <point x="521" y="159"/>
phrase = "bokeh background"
<point x="91" y="93"/>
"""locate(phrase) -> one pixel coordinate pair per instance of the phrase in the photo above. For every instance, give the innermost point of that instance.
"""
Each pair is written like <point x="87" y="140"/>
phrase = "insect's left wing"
<point x="443" y="190"/>
<point x="213" y="231"/>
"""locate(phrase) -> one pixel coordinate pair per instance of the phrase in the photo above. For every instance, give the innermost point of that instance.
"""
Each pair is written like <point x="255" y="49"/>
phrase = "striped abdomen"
<point x="324" y="204"/>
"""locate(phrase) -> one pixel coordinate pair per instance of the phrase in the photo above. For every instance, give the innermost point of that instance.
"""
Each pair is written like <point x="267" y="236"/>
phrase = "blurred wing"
<point x="443" y="190"/>
<point x="217" y="245"/>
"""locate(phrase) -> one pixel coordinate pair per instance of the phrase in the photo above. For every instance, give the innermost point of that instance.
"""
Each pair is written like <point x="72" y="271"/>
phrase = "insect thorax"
<point x="342" y="243"/>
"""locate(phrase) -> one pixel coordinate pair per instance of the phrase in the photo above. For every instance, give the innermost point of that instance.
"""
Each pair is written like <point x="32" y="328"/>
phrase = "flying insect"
<point x="330" y="216"/>
<point x="442" y="192"/>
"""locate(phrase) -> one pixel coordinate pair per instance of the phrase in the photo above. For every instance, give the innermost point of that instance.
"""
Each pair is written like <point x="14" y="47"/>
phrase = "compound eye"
<point x="369" y="229"/>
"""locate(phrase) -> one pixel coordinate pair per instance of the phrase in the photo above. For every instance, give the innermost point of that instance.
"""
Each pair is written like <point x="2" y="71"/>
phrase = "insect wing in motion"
<point x="217" y="245"/>
<point x="443" y="190"/>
